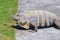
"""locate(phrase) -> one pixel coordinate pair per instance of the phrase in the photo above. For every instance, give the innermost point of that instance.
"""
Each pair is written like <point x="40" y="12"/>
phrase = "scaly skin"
<point x="37" y="18"/>
<point x="57" y="22"/>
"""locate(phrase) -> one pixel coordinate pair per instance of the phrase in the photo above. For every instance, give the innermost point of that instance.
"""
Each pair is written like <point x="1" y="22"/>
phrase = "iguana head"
<point x="21" y="20"/>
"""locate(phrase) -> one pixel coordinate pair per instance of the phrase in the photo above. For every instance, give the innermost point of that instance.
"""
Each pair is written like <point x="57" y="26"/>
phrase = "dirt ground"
<point x="42" y="34"/>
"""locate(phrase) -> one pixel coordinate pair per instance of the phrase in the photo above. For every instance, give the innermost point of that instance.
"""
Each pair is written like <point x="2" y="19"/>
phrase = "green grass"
<point x="7" y="8"/>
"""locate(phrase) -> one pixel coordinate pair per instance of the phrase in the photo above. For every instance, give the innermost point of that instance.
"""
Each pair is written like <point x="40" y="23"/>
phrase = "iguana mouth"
<point x="24" y="25"/>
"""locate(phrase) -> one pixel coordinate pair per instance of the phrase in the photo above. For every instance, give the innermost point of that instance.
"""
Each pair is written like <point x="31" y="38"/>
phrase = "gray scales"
<point x="37" y="18"/>
<point x="42" y="34"/>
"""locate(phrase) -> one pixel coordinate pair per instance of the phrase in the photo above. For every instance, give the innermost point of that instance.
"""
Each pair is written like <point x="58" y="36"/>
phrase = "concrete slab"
<point x="42" y="34"/>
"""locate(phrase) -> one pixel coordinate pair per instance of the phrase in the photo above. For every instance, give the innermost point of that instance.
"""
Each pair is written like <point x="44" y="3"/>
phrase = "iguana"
<point x="36" y="18"/>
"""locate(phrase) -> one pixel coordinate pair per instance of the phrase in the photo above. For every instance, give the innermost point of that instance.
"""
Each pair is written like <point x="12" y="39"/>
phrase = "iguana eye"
<point x="17" y="15"/>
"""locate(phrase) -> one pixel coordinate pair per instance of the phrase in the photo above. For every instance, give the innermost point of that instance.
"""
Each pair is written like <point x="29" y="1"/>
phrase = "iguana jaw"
<point x="24" y="25"/>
